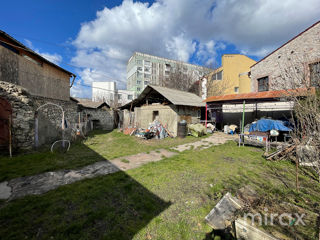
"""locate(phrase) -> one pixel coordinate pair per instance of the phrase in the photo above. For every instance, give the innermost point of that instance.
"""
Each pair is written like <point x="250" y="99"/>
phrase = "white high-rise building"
<point x="108" y="92"/>
<point x="144" y="69"/>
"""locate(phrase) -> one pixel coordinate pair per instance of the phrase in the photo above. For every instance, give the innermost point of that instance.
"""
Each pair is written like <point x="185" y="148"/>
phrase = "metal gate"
<point x="5" y="118"/>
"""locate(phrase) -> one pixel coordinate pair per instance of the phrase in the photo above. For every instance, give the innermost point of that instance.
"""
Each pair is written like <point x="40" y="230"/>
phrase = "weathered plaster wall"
<point x="290" y="62"/>
<point x="127" y="119"/>
<point x="167" y="116"/>
<point x="190" y="114"/>
<point x="41" y="80"/>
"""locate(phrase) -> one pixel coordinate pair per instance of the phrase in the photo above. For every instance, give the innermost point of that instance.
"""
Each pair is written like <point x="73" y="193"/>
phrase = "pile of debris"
<point x="230" y="129"/>
<point x="283" y="151"/>
<point x="155" y="130"/>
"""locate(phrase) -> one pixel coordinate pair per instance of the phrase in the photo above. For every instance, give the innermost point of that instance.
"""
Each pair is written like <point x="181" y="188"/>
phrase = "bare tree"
<point x="183" y="79"/>
<point x="302" y="81"/>
<point x="218" y="87"/>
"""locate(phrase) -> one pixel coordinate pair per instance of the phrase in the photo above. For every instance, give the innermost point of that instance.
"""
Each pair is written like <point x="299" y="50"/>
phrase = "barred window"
<point x="263" y="84"/>
<point x="315" y="74"/>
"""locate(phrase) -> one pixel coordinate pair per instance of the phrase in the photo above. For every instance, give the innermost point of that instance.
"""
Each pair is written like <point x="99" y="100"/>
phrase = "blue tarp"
<point x="264" y="125"/>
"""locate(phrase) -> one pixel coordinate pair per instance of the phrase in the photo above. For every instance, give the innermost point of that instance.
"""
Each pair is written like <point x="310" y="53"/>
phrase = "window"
<point x="146" y="82"/>
<point x="263" y="84"/>
<point x="155" y="115"/>
<point x="138" y="89"/>
<point x="139" y="68"/>
<point x="217" y="76"/>
<point x="119" y="96"/>
<point x="147" y="63"/>
<point x="147" y="69"/>
<point x="166" y="73"/>
<point x="138" y="82"/>
<point x="168" y="67"/>
<point x="236" y="89"/>
<point x="139" y="62"/>
<point x="147" y="75"/>
<point x="130" y="97"/>
<point x="315" y="74"/>
<point x="139" y="75"/>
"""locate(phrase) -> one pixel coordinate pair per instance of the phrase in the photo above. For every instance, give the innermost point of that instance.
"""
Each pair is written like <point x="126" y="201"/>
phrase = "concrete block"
<point x="221" y="216"/>
<point x="246" y="231"/>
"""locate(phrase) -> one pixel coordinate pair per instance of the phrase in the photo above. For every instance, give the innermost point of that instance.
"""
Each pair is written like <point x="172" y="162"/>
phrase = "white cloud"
<point x="179" y="29"/>
<point x="55" y="58"/>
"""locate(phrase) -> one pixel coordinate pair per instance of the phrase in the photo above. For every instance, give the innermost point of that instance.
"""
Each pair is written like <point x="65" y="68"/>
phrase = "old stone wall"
<point x="289" y="64"/>
<point x="50" y="119"/>
<point x="40" y="78"/>
<point x="22" y="114"/>
<point x="24" y="107"/>
<point x="100" y="118"/>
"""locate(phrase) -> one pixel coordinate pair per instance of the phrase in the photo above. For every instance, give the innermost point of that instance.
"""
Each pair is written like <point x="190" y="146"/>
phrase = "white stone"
<point x="5" y="190"/>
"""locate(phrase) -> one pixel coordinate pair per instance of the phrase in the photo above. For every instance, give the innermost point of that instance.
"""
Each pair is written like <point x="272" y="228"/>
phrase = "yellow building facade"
<point x="232" y="77"/>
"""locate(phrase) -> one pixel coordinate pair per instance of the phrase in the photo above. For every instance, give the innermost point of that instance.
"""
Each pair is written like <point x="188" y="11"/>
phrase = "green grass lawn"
<point x="98" y="146"/>
<point x="162" y="200"/>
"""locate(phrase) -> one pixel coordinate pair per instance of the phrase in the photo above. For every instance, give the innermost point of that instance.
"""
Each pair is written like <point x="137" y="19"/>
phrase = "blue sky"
<point x="98" y="37"/>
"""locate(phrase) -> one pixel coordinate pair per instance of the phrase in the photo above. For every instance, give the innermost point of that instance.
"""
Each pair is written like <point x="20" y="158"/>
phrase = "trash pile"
<point x="230" y="129"/>
<point x="155" y="130"/>
<point x="197" y="130"/>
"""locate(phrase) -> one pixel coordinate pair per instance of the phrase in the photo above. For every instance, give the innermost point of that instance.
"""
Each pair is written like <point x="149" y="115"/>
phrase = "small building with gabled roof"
<point x="168" y="106"/>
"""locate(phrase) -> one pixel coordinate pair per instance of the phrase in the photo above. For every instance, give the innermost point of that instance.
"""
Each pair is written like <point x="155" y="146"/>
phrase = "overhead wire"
<point x="68" y="64"/>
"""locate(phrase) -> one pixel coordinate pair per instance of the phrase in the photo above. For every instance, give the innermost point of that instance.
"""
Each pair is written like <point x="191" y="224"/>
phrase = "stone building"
<point x="168" y="106"/>
<point x="295" y="64"/>
<point x="28" y="81"/>
<point x="95" y="115"/>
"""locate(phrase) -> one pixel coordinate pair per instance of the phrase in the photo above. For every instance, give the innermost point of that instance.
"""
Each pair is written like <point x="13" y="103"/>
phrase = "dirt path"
<point x="44" y="182"/>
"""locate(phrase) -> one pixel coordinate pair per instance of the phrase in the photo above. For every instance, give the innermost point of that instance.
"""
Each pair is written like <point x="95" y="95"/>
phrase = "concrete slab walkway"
<point x="215" y="139"/>
<point x="44" y="182"/>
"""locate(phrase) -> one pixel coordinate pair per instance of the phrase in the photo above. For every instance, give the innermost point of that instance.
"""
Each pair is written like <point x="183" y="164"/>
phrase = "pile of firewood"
<point x="287" y="151"/>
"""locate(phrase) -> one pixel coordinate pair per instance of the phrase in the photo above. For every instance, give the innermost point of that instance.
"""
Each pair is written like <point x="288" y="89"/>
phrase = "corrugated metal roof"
<point x="178" y="97"/>
<point x="261" y="95"/>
